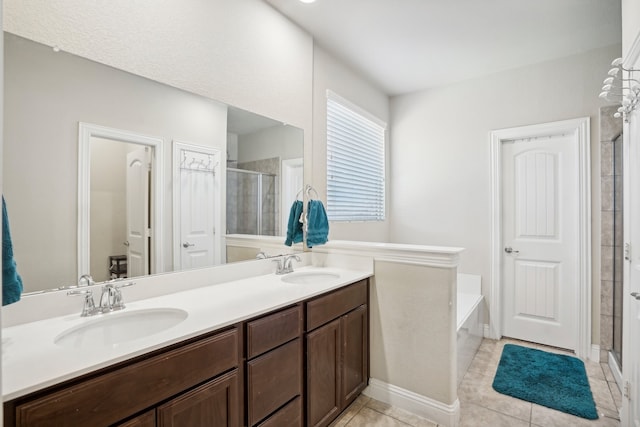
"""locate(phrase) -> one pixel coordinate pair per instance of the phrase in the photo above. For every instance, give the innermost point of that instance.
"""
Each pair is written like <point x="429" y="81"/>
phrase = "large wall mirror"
<point x="84" y="141"/>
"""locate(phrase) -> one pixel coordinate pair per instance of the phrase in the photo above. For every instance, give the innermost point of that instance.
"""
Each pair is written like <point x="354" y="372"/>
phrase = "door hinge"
<point x="627" y="251"/>
<point x="626" y="392"/>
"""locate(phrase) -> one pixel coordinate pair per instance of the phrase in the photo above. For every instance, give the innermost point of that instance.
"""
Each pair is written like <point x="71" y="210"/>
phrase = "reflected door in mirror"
<point x="138" y="219"/>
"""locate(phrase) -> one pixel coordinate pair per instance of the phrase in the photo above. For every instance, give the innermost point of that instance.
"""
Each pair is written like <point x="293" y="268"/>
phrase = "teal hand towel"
<point x="11" y="280"/>
<point x="294" y="226"/>
<point x="317" y="224"/>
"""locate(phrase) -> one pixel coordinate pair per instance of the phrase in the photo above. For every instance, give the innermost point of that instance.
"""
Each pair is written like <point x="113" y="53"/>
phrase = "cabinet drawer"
<point x="212" y="404"/>
<point x="273" y="379"/>
<point x="328" y="307"/>
<point x="289" y="416"/>
<point x="113" y="396"/>
<point x="273" y="330"/>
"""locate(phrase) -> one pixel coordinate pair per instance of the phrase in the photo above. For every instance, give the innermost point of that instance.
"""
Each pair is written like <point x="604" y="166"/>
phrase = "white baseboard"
<point x="487" y="331"/>
<point x="433" y="410"/>
<point x="595" y="353"/>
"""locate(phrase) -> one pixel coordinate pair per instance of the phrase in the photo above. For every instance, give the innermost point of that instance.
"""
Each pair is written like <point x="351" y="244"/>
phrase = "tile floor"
<point x="481" y="406"/>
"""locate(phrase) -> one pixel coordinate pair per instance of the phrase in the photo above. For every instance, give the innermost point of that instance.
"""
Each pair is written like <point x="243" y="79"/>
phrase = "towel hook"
<point x="309" y="189"/>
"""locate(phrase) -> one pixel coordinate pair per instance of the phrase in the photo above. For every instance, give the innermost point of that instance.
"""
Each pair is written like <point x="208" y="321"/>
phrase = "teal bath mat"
<point x="556" y="381"/>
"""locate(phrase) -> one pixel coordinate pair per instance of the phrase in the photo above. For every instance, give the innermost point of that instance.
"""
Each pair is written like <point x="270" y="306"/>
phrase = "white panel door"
<point x="197" y="199"/>
<point x="540" y="270"/>
<point x="138" y="230"/>
<point x="631" y="298"/>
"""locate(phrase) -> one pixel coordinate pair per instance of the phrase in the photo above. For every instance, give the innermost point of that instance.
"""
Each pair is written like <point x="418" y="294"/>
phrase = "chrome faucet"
<point x="288" y="262"/>
<point x="86" y="280"/>
<point x="110" y="297"/>
<point x="89" y="308"/>
<point x="285" y="264"/>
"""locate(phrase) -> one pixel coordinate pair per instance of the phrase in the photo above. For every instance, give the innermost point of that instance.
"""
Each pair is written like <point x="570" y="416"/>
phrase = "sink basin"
<point x="112" y="329"/>
<point x="310" y="277"/>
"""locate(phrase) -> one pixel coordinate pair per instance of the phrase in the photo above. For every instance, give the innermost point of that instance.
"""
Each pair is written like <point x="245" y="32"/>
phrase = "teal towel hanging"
<point x="11" y="280"/>
<point x="317" y="224"/>
<point x="294" y="226"/>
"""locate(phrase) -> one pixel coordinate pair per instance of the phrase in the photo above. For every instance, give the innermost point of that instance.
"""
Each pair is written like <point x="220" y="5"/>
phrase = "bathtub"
<point x="470" y="322"/>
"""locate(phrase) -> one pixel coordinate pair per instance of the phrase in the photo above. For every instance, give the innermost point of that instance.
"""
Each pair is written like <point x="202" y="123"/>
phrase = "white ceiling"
<point x="408" y="45"/>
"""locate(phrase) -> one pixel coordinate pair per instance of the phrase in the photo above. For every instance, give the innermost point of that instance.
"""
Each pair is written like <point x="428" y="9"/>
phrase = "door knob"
<point x="636" y="295"/>
<point x="510" y="250"/>
<point x="187" y="244"/>
<point x="126" y="243"/>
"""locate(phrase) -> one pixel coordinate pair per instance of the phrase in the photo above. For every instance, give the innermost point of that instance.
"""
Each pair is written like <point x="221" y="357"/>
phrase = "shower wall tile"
<point x="617" y="332"/>
<point x="606" y="227"/>
<point x="617" y="193"/>
<point x="606" y="158"/>
<point x="606" y="297"/>
<point x="617" y="156"/>
<point x="606" y="332"/>
<point x="610" y="127"/>
<point x="617" y="298"/>
<point x="606" y="263"/>
<point x="619" y="230"/>
<point x="606" y="193"/>
<point x="618" y="263"/>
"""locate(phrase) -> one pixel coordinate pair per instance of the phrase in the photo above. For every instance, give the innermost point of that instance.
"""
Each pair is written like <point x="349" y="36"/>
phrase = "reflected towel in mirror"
<point x="294" y="226"/>
<point x="11" y="280"/>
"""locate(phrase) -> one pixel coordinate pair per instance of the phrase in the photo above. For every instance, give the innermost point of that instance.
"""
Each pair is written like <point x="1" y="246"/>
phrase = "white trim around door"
<point x="579" y="129"/>
<point x="86" y="131"/>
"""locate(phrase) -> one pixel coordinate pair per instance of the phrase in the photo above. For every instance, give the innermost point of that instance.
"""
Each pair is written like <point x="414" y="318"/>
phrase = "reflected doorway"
<point x="120" y="221"/>
<point x="119" y="203"/>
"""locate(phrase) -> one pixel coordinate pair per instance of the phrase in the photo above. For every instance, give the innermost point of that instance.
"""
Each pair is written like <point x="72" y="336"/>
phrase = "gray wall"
<point x="46" y="95"/>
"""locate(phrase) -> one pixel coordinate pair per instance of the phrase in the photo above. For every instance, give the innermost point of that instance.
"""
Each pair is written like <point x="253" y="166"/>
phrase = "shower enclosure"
<point x="252" y="203"/>
<point x="618" y="249"/>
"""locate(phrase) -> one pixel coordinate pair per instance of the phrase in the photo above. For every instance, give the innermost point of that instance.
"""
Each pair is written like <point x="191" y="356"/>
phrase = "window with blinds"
<point x="355" y="163"/>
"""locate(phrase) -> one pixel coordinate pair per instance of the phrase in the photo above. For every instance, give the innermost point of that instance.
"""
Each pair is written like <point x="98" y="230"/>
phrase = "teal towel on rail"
<point x="294" y="226"/>
<point x="11" y="280"/>
<point x="317" y="224"/>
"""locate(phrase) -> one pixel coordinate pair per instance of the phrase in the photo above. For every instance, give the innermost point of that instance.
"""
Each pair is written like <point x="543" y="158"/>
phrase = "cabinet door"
<point x="323" y="374"/>
<point x="213" y="404"/>
<point x="355" y="342"/>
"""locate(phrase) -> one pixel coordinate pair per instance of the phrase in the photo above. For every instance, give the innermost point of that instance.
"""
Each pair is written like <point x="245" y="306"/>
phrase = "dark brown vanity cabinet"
<point x="297" y="366"/>
<point x="191" y="384"/>
<point x="337" y="344"/>
<point x="274" y="370"/>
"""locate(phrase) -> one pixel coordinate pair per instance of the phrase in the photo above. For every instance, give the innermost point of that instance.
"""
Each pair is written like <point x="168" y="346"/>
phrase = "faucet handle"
<point x="86" y="280"/>
<point x="280" y="267"/>
<point x="89" y="307"/>
<point x="118" y="301"/>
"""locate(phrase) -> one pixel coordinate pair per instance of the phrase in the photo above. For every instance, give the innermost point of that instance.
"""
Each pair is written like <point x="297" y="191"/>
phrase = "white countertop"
<point x="32" y="361"/>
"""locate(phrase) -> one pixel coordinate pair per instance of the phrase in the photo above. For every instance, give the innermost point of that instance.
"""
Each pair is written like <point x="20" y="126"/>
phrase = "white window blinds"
<point x="355" y="163"/>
